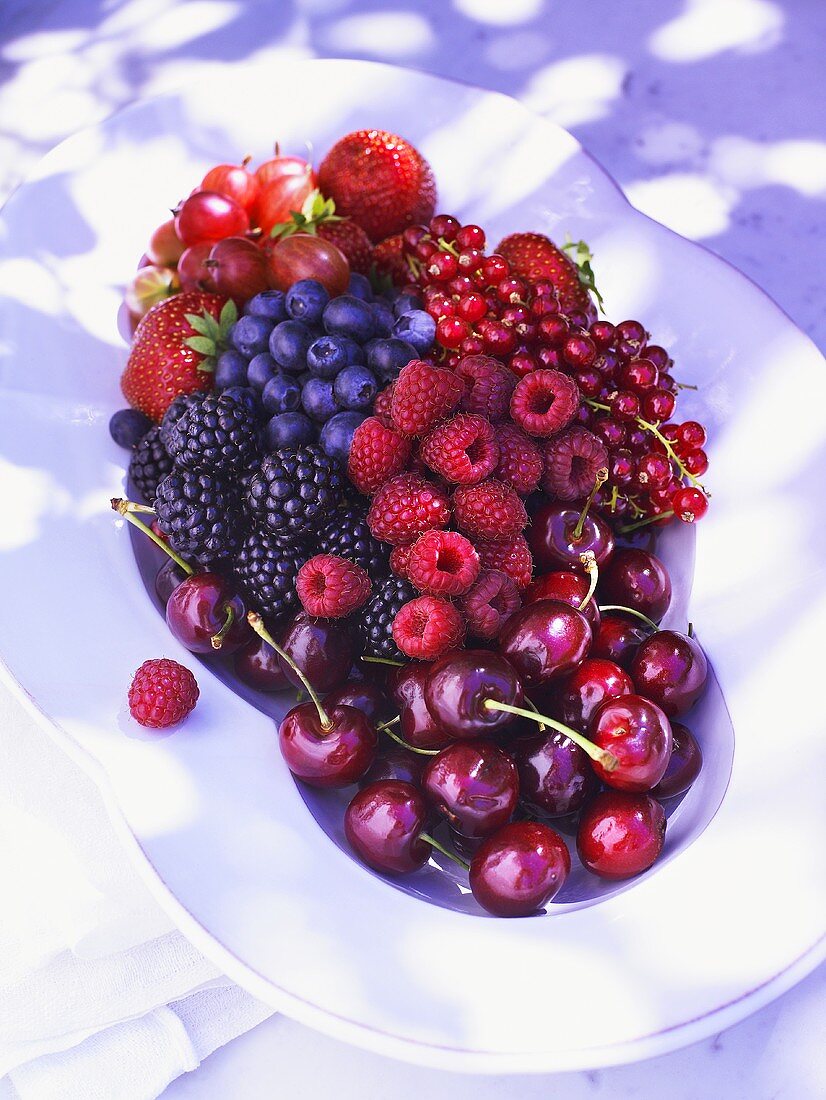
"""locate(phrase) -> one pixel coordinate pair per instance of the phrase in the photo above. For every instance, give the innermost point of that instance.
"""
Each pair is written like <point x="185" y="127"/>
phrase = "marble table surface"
<point x="709" y="115"/>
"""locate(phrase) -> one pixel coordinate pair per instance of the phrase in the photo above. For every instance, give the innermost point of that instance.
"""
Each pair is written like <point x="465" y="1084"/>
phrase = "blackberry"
<point x="347" y="535"/>
<point x="295" y="490"/>
<point x="177" y="407"/>
<point x="217" y="434"/>
<point x="376" y="620"/>
<point x="200" y="514"/>
<point x="150" y="463"/>
<point x="265" y="568"/>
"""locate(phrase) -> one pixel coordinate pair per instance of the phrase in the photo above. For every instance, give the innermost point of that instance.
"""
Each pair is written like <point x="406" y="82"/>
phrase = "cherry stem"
<point x="535" y="709"/>
<point x="122" y="507"/>
<point x="601" y="756"/>
<point x="627" y="528"/>
<point x="629" y="611"/>
<point x="217" y="640"/>
<point x="428" y="839"/>
<point x="383" y="661"/>
<point x="257" y="624"/>
<point x="589" y="561"/>
<point x="385" y="728"/>
<point x="599" y="481"/>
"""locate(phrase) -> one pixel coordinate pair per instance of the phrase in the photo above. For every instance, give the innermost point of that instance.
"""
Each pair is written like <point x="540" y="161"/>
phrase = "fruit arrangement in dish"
<point x="410" y="477"/>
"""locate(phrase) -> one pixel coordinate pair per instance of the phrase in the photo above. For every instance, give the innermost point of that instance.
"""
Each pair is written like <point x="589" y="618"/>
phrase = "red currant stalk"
<point x="127" y="509"/>
<point x="605" y="759"/>
<point x="257" y="624"/>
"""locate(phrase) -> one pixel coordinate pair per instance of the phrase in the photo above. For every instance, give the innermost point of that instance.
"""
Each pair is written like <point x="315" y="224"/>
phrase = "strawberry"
<point x="175" y="348"/>
<point x="535" y="256"/>
<point x="389" y="262"/>
<point x="380" y="181"/>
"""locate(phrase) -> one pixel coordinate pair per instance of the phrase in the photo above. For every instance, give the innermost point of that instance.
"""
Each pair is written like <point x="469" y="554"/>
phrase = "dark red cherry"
<point x="684" y="764"/>
<point x="671" y="669"/>
<point x="618" y="638"/>
<point x="395" y="762"/>
<point x="457" y="686"/>
<point x="620" y="834"/>
<point x="322" y="649"/>
<point x="335" y="756"/>
<point x="474" y="785"/>
<point x="167" y="579"/>
<point x="567" y="587"/>
<point x="519" y="869"/>
<point x="382" y="826"/>
<point x="418" y="727"/>
<point x="638" y="579"/>
<point x="589" y="685"/>
<point x="465" y="846"/>
<point x="545" y="641"/>
<point x="203" y="610"/>
<point x="555" y="775"/>
<point x="364" y="696"/>
<point x="637" y="732"/>
<point x="555" y="545"/>
<point x="256" y="664"/>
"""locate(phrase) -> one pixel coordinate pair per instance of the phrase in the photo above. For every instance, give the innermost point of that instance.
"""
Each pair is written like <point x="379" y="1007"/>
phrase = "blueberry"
<point x="387" y="357"/>
<point x="282" y="394"/>
<point x="250" y="334"/>
<point x="383" y="318"/>
<point x="128" y="426"/>
<point x="349" y="316"/>
<point x="328" y="355"/>
<point x="269" y="303"/>
<point x="418" y="328"/>
<point x="230" y="369"/>
<point x="306" y="300"/>
<point x="288" y="345"/>
<point x="336" y="437"/>
<point x="360" y="287"/>
<point x="318" y="399"/>
<point x="406" y="302"/>
<point x="261" y="369"/>
<point x="355" y="388"/>
<point x="289" y="430"/>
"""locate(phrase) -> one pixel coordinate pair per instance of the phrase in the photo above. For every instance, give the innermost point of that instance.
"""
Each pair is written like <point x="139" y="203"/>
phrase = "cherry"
<point x="555" y="778"/>
<point x="383" y="824"/>
<point x="683" y="766"/>
<point x="327" y="747"/>
<point x="465" y="846"/>
<point x="167" y="579"/>
<point x="638" y="734"/>
<point x="458" y="684"/>
<point x="256" y="664"/>
<point x="205" y="615"/>
<point x="637" y="579"/>
<point x="364" y="696"/>
<point x="587" y="687"/>
<point x="671" y="669"/>
<point x="474" y="785"/>
<point x="395" y="762"/>
<point x="620" y="834"/>
<point x="208" y="216"/>
<point x="418" y="727"/>
<point x="545" y="641"/>
<point x="567" y="587"/>
<point x="618" y="637"/>
<point x="322" y="649"/>
<point x="519" y="869"/>
<point x="559" y="535"/>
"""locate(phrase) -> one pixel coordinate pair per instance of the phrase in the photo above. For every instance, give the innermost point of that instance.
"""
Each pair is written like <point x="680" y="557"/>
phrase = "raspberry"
<point x="400" y="559"/>
<point x="489" y="386"/>
<point x="513" y="557"/>
<point x="462" y="450"/>
<point x="377" y="453"/>
<point x="520" y="459"/>
<point x="572" y="460"/>
<point x="544" y="402"/>
<point x="405" y="507"/>
<point x="330" y="587"/>
<point x="383" y="404"/>
<point x="443" y="563"/>
<point x="424" y="394"/>
<point x="427" y="627"/>
<point x="489" y="603"/>
<point x="489" y="510"/>
<point x="162" y="693"/>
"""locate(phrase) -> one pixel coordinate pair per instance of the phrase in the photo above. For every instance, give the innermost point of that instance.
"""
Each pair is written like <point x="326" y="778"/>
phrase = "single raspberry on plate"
<point x="382" y="406"/>
<point x="162" y="693"/>
<point x="377" y="453"/>
<point x="399" y="560"/>
<point x="424" y="394"/>
<point x="443" y="563"/>
<point x="405" y="507"/>
<point x="330" y="587"/>
<point x="513" y="556"/>
<point x="489" y="510"/>
<point x="572" y="461"/>
<point x="427" y="627"/>
<point x="462" y="450"/>
<point x="544" y="402"/>
<point x="520" y="459"/>
<point x="489" y="603"/>
<point x="489" y="386"/>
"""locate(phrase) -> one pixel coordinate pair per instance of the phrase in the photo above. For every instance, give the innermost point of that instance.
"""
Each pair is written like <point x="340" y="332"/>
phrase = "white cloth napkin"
<point x="100" y="996"/>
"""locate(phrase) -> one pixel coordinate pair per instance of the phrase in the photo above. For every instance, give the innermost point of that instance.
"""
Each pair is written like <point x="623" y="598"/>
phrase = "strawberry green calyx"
<point x="315" y="211"/>
<point x="212" y="336"/>
<point x="581" y="256"/>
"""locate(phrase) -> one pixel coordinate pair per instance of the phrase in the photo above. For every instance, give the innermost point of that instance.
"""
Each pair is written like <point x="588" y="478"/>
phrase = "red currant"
<point x="515" y="315"/>
<point x="589" y="382"/>
<point x="689" y="504"/>
<point x="545" y="287"/>
<point x="623" y="467"/>
<point x="470" y="236"/>
<point x="610" y="431"/>
<point x="638" y="441"/>
<point x="658" y="405"/>
<point x="657" y="355"/>
<point x="602" y="333"/>
<point x="653" y="470"/>
<point x="450" y="332"/>
<point x="443" y="225"/>
<point x="462" y="284"/>
<point x="543" y="304"/>
<point x="639" y="375"/>
<point x="511" y="289"/>
<point x="667" y="383"/>
<point x="425" y="249"/>
<point x="578" y="319"/>
<point x="553" y="330"/>
<point x="472" y="345"/>
<point x="470" y="259"/>
<point x="499" y="339"/>
<point x="579" y="351"/>
<point x="696" y="462"/>
<point x="439" y="305"/>
<point x="624" y="405"/>
<point x="523" y="363"/>
<point x="691" y="434"/>
<point x="495" y="268"/>
<point x="549" y="358"/>
<point x="632" y="331"/>
<point x="442" y="267"/>
<point x="412" y="235"/>
<point x="472" y="306"/>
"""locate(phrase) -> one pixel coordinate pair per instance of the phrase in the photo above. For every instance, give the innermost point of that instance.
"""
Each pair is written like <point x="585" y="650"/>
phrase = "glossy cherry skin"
<point x="637" y="732"/>
<point x="167" y="579"/>
<point x="519" y="869"/>
<point x="684" y="765"/>
<point x="334" y="757"/>
<point x="555" y="775"/>
<point x="671" y="669"/>
<point x="322" y="649"/>
<point x="474" y="785"/>
<point x="618" y="638"/>
<point x="382" y="826"/>
<point x="394" y="762"/>
<point x="589" y="685"/>
<point x="256" y="664"/>
<point x="552" y="539"/>
<point x="364" y="696"/>
<point x="545" y="641"/>
<point x="638" y="579"/>
<point x="197" y="609"/>
<point x="567" y="587"/>
<point x="620" y="834"/>
<point x="457" y="686"/>
<point x="418" y="727"/>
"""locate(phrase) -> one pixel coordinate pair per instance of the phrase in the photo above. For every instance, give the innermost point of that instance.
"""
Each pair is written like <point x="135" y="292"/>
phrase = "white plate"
<point x="217" y="827"/>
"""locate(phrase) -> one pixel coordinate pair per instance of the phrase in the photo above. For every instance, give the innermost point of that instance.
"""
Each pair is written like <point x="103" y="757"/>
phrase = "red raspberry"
<point x="443" y="563"/>
<point x="462" y="450"/>
<point x="520" y="459"/>
<point x="330" y="587"/>
<point x="382" y="404"/>
<point x="572" y="460"/>
<point x="489" y="603"/>
<point x="427" y="627"/>
<point x="424" y="394"/>
<point x="544" y="402"/>
<point x="513" y="557"/>
<point x="489" y="510"/>
<point x="405" y="507"/>
<point x="399" y="560"/>
<point x="162" y="693"/>
<point x="377" y="453"/>
<point x="489" y="386"/>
